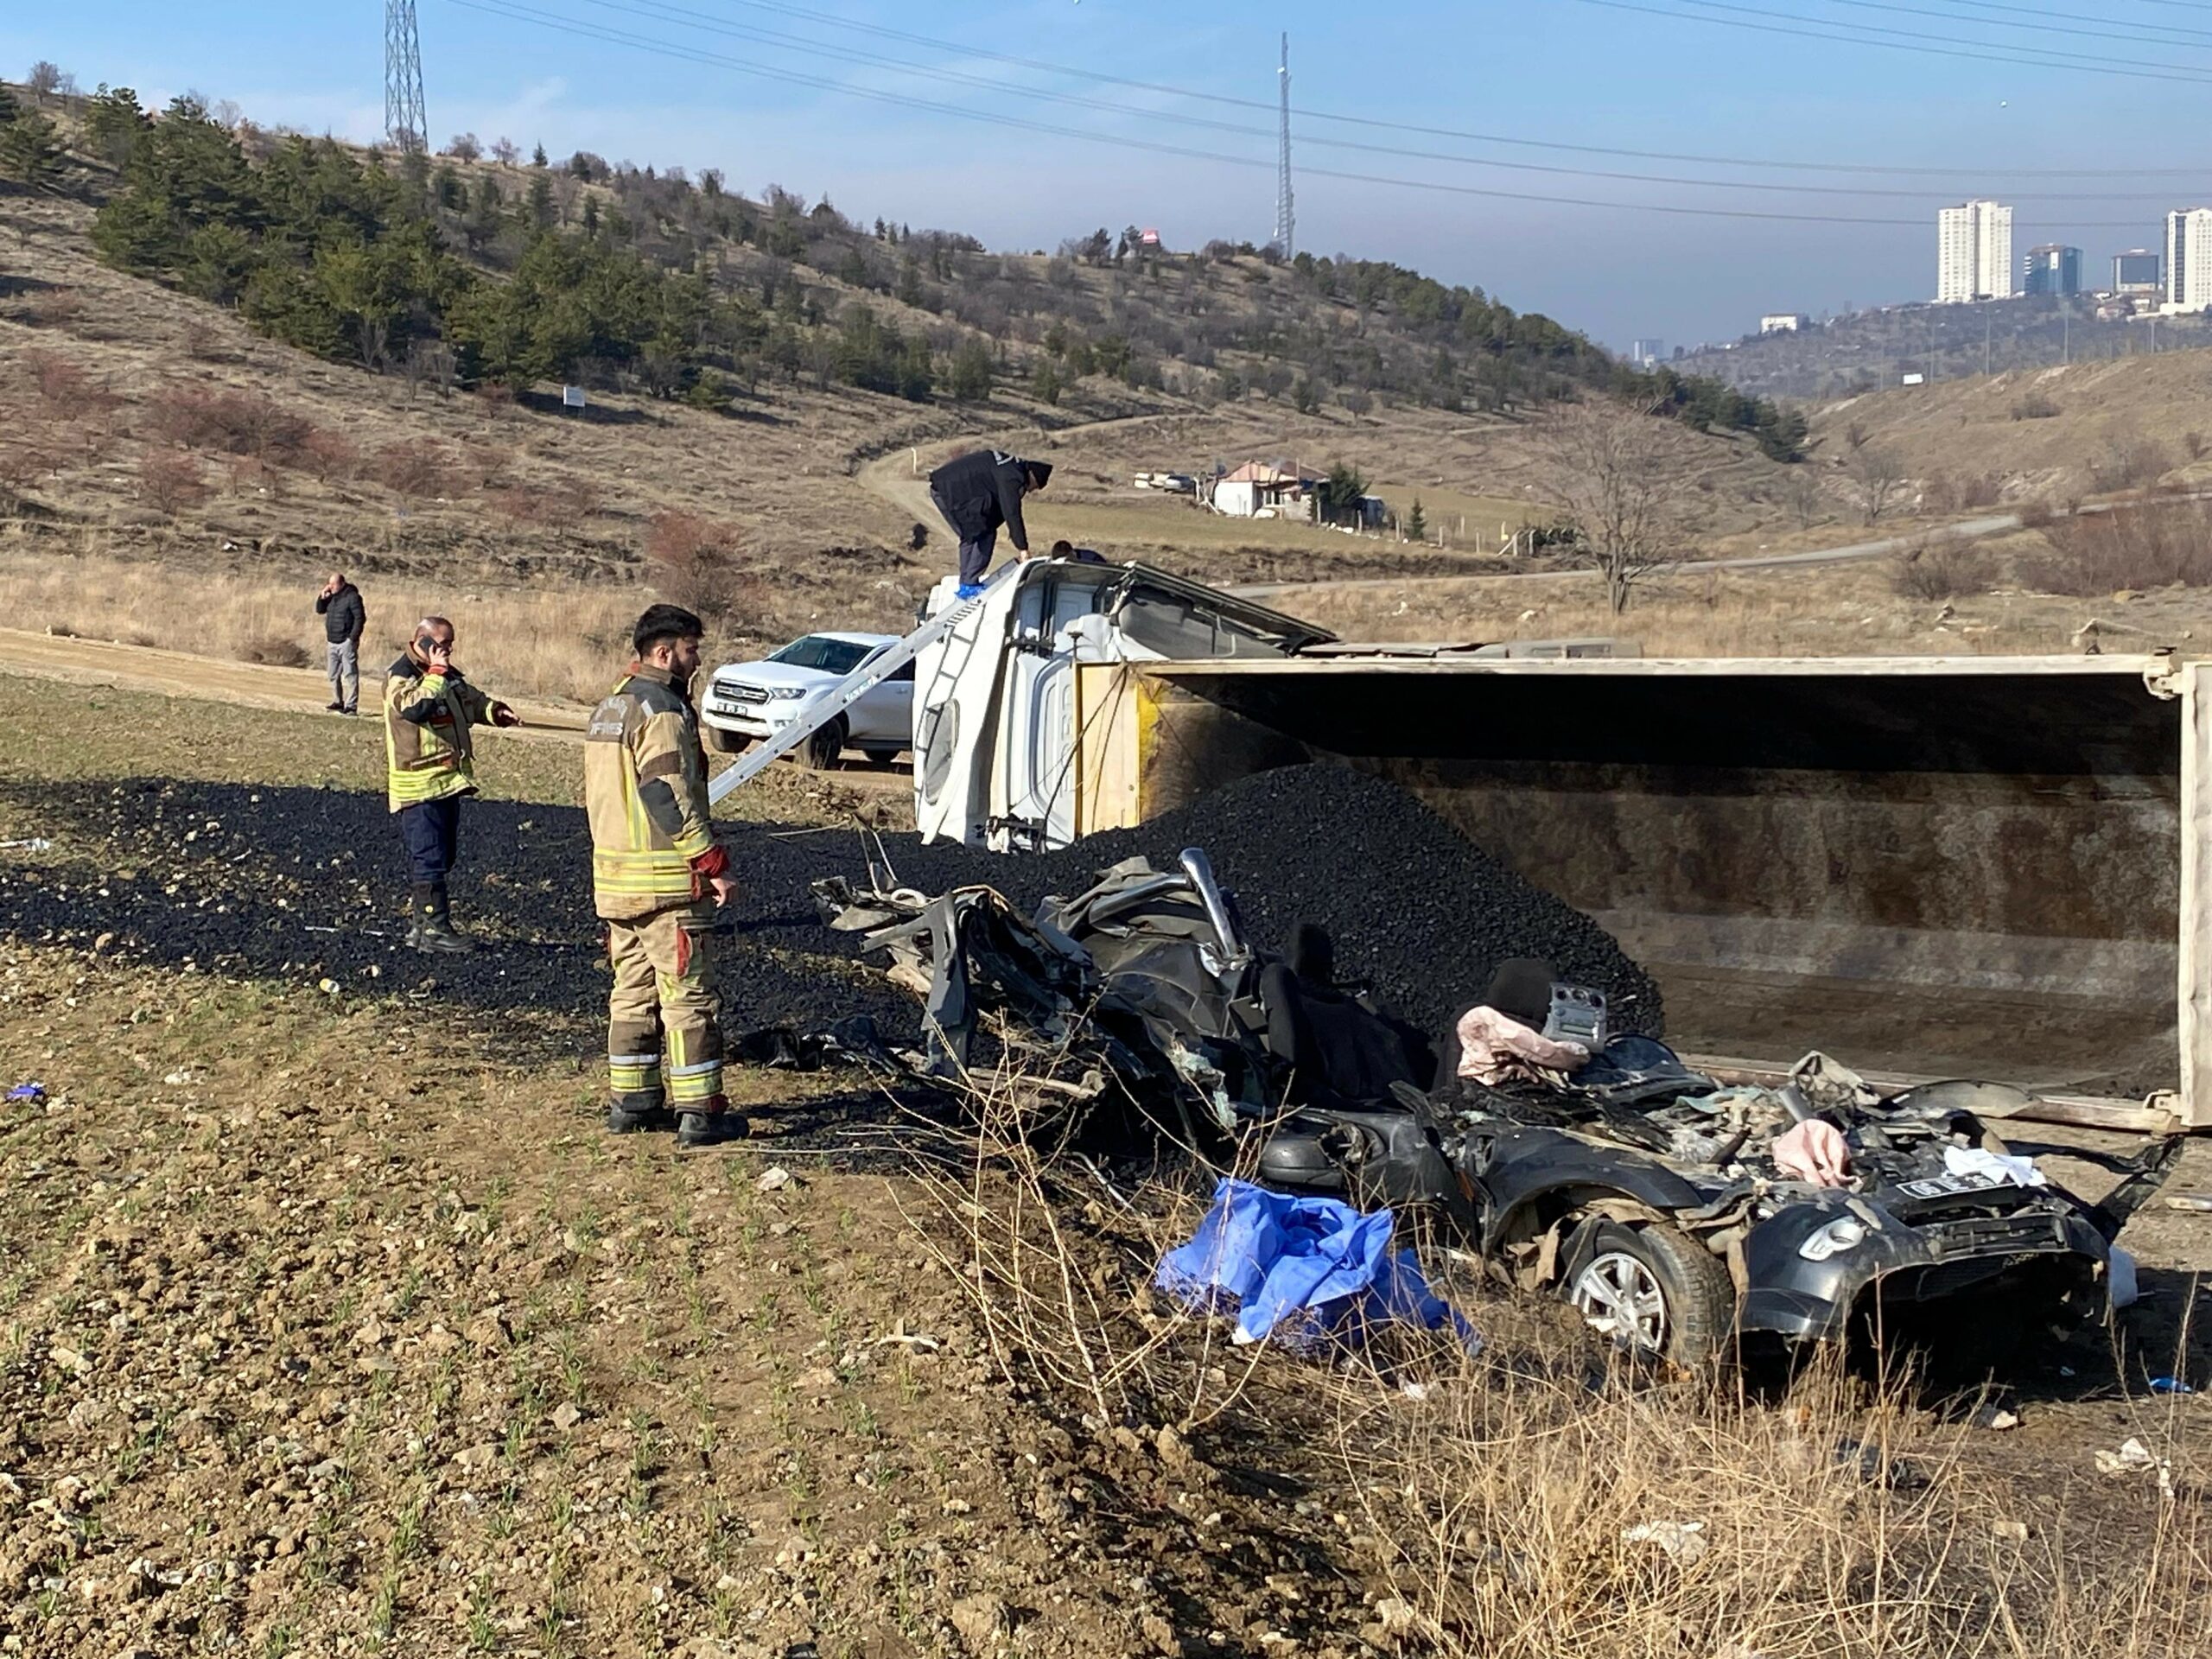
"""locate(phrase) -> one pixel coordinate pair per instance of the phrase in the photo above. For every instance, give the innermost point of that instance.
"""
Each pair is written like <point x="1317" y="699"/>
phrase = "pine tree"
<point x="1045" y="384"/>
<point x="537" y="155"/>
<point x="1416" y="524"/>
<point x="29" y="152"/>
<point x="972" y="372"/>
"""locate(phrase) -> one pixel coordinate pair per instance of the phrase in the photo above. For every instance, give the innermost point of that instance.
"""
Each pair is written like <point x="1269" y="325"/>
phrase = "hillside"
<point x="182" y="383"/>
<point x="1866" y="351"/>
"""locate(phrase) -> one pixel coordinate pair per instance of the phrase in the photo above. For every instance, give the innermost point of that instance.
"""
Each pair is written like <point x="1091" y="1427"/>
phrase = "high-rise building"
<point x="2139" y="271"/>
<point x="2189" y="259"/>
<point x="2053" y="270"/>
<point x="1646" y="352"/>
<point x="1973" y="244"/>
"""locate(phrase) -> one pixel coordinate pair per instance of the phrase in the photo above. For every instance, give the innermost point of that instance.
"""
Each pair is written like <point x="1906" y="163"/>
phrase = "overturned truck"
<point x="1940" y="866"/>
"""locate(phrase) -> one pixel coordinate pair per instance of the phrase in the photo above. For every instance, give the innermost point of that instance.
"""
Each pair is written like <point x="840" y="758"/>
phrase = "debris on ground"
<point x="1301" y="1270"/>
<point x="2134" y="1458"/>
<point x="1683" y="1542"/>
<point x="33" y="1092"/>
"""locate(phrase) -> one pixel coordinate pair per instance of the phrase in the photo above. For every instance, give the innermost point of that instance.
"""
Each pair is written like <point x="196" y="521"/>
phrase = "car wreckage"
<point x="1648" y="1195"/>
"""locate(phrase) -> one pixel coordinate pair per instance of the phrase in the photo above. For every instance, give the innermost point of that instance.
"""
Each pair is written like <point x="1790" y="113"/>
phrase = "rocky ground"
<point x="331" y="1322"/>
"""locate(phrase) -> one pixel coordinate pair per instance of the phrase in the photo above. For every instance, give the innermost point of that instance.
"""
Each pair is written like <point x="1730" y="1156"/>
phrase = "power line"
<point x="1516" y="141"/>
<point x="662" y="11"/>
<point x="516" y="12"/>
<point x="1909" y="42"/>
<point x="2105" y="33"/>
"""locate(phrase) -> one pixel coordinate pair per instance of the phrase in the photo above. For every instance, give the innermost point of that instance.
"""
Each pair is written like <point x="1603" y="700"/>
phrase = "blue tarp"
<point x="1298" y="1270"/>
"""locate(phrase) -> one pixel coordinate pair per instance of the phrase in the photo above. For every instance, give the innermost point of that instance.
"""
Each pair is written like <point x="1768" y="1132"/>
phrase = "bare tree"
<point x="44" y="80"/>
<point x="504" y="153"/>
<point x="1878" y="477"/>
<point x="1802" y="494"/>
<point x="1617" y="468"/>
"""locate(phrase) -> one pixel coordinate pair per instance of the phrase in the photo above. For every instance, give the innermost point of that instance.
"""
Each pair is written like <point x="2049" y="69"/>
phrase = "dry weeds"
<point x="1541" y="1498"/>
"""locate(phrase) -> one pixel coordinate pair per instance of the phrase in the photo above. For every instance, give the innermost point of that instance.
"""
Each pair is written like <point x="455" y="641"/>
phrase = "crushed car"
<point x="1678" y="1214"/>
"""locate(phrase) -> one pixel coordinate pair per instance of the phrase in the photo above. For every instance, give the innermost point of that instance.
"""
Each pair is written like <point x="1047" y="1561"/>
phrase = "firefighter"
<point x="428" y="710"/>
<point x="658" y="880"/>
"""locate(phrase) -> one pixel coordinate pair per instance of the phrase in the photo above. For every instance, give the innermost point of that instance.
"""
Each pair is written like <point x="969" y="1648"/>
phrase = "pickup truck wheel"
<point x="723" y="742"/>
<point x="1654" y="1290"/>
<point x="822" y="749"/>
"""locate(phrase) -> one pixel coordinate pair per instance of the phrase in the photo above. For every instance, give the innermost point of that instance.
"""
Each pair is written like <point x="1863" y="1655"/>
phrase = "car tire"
<point x="1676" y="1293"/>
<point x="823" y="750"/>
<point x="719" y="742"/>
<point x="882" y="759"/>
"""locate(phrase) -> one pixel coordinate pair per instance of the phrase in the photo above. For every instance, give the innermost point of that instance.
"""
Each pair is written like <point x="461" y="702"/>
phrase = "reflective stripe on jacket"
<point x="645" y="794"/>
<point x="428" y="755"/>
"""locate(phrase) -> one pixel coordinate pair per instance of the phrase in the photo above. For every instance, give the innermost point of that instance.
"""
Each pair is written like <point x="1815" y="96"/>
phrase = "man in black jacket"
<point x="977" y="493"/>
<point x="345" y="618"/>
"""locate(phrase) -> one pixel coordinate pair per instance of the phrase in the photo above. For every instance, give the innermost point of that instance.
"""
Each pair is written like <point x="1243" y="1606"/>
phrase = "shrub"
<point x="232" y="424"/>
<point x="62" y="383"/>
<point x="328" y="454"/>
<point x="169" y="481"/>
<point x="695" y="561"/>
<point x="2034" y="406"/>
<point x="275" y="651"/>
<point x="1941" y="570"/>
<point x="2156" y="546"/>
<point x="2128" y="462"/>
<point x="419" y="470"/>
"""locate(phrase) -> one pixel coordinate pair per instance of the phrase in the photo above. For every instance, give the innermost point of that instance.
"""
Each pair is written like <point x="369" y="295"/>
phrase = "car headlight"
<point x="784" y="694"/>
<point x="1845" y="1233"/>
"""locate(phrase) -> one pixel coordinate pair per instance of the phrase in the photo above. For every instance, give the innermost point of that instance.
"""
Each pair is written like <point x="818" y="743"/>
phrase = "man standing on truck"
<point x="428" y="710"/>
<point x="658" y="880"/>
<point x="979" y="493"/>
<point x="345" y="618"/>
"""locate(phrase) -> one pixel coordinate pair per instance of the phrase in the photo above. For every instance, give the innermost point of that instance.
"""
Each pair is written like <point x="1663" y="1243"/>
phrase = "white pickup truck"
<point x="745" y="700"/>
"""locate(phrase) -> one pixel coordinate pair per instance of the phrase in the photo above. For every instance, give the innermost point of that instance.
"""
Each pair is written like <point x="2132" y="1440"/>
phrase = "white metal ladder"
<point x="832" y="701"/>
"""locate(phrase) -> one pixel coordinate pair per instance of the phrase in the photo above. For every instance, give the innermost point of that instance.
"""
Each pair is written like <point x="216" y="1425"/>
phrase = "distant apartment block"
<point x="1784" y="322"/>
<point x="1973" y="244"/>
<point x="2189" y="259"/>
<point x="1645" y="352"/>
<point x="2138" y="272"/>
<point x="2053" y="270"/>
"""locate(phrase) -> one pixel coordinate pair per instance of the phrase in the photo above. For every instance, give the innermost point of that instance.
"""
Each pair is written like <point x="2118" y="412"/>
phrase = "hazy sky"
<point x="1686" y="77"/>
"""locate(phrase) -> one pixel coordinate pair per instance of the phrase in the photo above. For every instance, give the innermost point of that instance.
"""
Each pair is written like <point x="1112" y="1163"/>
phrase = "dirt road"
<point x="179" y="674"/>
<point x="1970" y="530"/>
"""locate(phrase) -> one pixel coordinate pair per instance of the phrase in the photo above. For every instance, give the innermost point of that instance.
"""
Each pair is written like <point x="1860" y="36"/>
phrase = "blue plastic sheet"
<point x="1300" y="1270"/>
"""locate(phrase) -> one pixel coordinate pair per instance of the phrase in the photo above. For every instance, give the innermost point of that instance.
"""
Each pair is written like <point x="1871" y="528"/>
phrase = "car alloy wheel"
<point x="1622" y="1300"/>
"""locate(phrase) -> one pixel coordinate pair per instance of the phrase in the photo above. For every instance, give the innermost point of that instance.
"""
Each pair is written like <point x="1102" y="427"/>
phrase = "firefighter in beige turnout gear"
<point x="657" y="879"/>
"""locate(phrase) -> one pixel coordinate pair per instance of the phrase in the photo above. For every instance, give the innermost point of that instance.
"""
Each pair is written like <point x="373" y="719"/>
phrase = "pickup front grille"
<point x="2038" y="1229"/>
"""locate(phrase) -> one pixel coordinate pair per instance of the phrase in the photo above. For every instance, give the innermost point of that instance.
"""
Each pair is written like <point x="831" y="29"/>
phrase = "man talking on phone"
<point x="658" y="883"/>
<point x="429" y="708"/>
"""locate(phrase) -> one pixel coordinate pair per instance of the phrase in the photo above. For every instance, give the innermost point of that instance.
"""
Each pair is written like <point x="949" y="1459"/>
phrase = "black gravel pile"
<point x="1417" y="911"/>
<point x="308" y="885"/>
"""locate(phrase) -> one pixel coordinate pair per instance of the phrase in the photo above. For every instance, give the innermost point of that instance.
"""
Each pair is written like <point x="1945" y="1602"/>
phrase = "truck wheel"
<point x="723" y="742"/>
<point x="1653" y="1290"/>
<point x="822" y="749"/>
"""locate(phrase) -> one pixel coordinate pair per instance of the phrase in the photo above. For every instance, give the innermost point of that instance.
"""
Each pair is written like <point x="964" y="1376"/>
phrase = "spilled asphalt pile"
<point x="1418" y="912"/>
<point x="308" y="885"/>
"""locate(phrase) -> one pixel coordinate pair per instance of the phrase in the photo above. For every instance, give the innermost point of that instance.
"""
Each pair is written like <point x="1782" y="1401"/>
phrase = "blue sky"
<point x="1645" y="76"/>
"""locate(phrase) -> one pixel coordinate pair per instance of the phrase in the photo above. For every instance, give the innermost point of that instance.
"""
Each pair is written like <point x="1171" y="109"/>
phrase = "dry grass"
<point x="2156" y="545"/>
<point x="1817" y="611"/>
<point x="551" y="642"/>
<point x="1534" y="1500"/>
